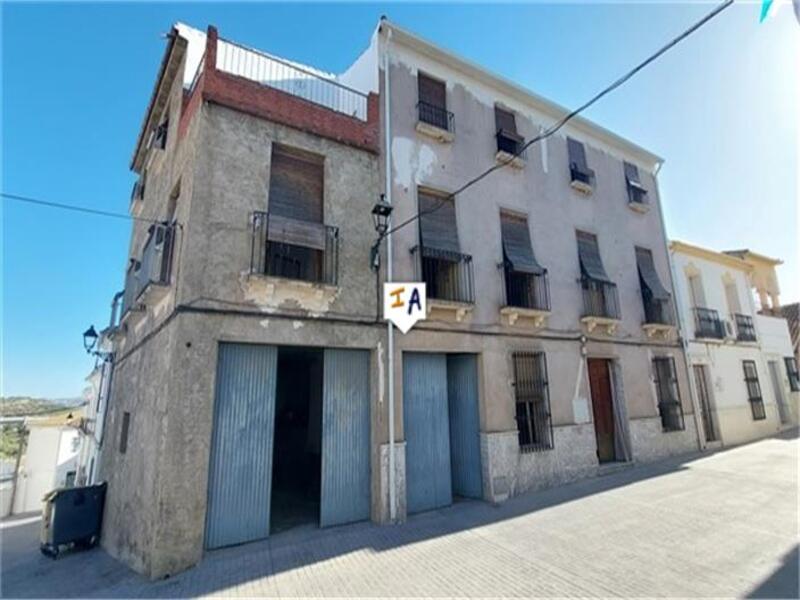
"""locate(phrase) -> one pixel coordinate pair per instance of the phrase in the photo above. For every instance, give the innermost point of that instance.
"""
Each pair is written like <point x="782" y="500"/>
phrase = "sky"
<point x="721" y="108"/>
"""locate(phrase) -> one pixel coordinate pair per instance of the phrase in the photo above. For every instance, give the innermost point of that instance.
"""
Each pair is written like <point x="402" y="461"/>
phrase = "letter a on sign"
<point x="404" y="304"/>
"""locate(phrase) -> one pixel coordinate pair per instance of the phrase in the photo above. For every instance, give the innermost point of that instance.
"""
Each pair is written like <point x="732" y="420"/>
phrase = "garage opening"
<point x="297" y="451"/>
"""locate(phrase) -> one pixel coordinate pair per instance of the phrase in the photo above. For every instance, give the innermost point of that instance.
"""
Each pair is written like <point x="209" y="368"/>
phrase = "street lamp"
<point x="380" y="217"/>
<point x="89" y="339"/>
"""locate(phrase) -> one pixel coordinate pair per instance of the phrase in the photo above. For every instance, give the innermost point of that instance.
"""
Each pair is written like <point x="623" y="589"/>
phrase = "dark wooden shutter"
<point x="296" y="233"/>
<point x="647" y="271"/>
<point x="589" y="255"/>
<point x="517" y="248"/>
<point x="437" y="228"/>
<point x="577" y="154"/>
<point x="504" y="120"/>
<point x="295" y="186"/>
<point x="431" y="91"/>
<point x="632" y="173"/>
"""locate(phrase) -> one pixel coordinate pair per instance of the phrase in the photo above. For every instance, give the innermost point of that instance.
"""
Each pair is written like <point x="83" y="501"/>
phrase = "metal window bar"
<point x="656" y="311"/>
<point x="753" y="390"/>
<point x="708" y="324"/>
<point x="526" y="290"/>
<point x="745" y="329"/>
<point x="435" y="115"/>
<point x="600" y="299"/>
<point x="510" y="143"/>
<point x="531" y="390"/>
<point x="792" y="373"/>
<point x="669" y="400"/>
<point x="156" y="265"/>
<point x="293" y="261"/>
<point x="447" y="275"/>
<point x="282" y="75"/>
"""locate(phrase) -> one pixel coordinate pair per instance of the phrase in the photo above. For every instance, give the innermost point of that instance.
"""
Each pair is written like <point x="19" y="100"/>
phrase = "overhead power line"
<point x="75" y="208"/>
<point x="565" y="119"/>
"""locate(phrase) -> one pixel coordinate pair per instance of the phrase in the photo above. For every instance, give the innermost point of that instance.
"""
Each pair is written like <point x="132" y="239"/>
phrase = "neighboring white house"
<point x="730" y="374"/>
<point x="92" y="431"/>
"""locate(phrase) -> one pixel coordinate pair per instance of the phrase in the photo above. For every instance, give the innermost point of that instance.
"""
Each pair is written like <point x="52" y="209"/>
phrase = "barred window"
<point x="669" y="398"/>
<point x="532" y="402"/>
<point x="753" y="390"/>
<point x="791" y="371"/>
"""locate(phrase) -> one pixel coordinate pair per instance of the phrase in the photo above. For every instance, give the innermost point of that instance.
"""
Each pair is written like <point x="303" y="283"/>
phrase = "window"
<point x="160" y="139"/>
<point x="655" y="297"/>
<point x="534" y="421"/>
<point x="753" y="390"/>
<point x="508" y="140"/>
<point x="637" y="194"/>
<point x="297" y="241"/>
<point x="578" y="167"/>
<point x="447" y="272"/>
<point x="599" y="293"/>
<point x="669" y="399"/>
<point x="792" y="373"/>
<point x="433" y="102"/>
<point x="525" y="279"/>
<point x="123" y="436"/>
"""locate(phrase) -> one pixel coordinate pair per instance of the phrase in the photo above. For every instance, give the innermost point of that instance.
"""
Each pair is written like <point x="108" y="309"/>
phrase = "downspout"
<point x="698" y="426"/>
<point x="389" y="270"/>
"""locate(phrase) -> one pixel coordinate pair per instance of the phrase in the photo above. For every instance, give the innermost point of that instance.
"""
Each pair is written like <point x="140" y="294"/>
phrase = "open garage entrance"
<point x="442" y="430"/>
<point x="290" y="441"/>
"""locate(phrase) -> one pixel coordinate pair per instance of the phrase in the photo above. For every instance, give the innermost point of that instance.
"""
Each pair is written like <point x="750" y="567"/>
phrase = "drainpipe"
<point x="389" y="270"/>
<point x="682" y="331"/>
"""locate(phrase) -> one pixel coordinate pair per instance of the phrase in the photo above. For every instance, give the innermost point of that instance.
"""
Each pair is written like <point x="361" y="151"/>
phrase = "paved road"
<point x="724" y="524"/>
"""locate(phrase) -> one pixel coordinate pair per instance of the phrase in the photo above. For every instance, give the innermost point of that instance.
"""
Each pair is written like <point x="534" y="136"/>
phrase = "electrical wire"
<point x="564" y="120"/>
<point x="75" y="208"/>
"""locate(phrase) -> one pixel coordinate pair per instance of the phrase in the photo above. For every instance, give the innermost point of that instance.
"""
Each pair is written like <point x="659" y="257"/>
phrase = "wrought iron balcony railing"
<point x="657" y="312"/>
<point x="745" y="329"/>
<point x="154" y="267"/>
<point x="436" y="116"/>
<point x="707" y="324"/>
<point x="294" y="249"/>
<point x="526" y="290"/>
<point x="600" y="299"/>
<point x="447" y="275"/>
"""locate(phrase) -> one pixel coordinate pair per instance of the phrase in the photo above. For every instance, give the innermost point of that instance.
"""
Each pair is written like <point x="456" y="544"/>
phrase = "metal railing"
<point x="657" y="312"/>
<point x="154" y="268"/>
<point x="316" y="87"/>
<point x="526" y="290"/>
<point x="707" y="324"/>
<point x="671" y="415"/>
<point x="600" y="299"/>
<point x="512" y="144"/>
<point x="534" y="421"/>
<point x="131" y="292"/>
<point x="447" y="275"/>
<point x="435" y="115"/>
<point x="581" y="175"/>
<point x="745" y="328"/>
<point x="312" y="262"/>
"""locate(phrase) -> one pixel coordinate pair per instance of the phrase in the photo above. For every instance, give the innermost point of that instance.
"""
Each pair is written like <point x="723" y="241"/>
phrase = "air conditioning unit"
<point x="730" y="332"/>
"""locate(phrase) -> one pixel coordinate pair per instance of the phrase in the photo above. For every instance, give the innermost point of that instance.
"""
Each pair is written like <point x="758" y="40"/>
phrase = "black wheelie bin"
<point x="72" y="516"/>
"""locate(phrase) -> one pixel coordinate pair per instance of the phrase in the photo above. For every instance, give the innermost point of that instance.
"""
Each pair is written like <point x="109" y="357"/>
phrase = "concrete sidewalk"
<point x="724" y="524"/>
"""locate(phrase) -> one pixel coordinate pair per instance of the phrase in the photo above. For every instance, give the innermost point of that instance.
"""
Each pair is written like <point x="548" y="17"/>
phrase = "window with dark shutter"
<point x="431" y="91"/>
<point x="669" y="400"/>
<point x="534" y="422"/>
<point x="517" y="248"/>
<point x="792" y="373"/>
<point x="508" y="140"/>
<point x="296" y="185"/>
<point x="589" y="256"/>
<point x="648" y="275"/>
<point x="636" y="191"/>
<point x="579" y="168"/>
<point x="437" y="223"/>
<point x="753" y="390"/>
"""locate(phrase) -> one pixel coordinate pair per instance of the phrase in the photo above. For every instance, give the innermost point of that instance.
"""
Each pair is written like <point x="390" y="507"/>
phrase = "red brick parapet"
<point x="275" y="105"/>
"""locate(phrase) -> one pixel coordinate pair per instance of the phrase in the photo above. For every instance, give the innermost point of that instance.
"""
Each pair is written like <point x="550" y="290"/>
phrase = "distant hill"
<point x="17" y="406"/>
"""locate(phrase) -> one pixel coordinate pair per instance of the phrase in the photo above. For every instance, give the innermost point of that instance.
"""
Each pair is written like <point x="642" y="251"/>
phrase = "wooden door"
<point x="602" y="408"/>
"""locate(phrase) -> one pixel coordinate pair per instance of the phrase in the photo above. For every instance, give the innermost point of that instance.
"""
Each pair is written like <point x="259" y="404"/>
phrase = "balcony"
<point x="745" y="328"/>
<point x="435" y="121"/>
<point x="707" y="324"/>
<point x="600" y="305"/>
<point x="527" y="297"/>
<point x="658" y="317"/>
<point x="291" y="249"/>
<point x="147" y="280"/>
<point x="581" y="178"/>
<point x="448" y="278"/>
<point x="510" y="148"/>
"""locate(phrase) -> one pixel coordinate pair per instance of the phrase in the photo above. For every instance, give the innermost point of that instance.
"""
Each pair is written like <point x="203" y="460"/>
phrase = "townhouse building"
<point x="256" y="387"/>
<point x="741" y="361"/>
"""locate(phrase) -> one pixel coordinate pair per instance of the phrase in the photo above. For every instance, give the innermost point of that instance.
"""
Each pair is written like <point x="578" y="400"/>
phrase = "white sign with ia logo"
<point x="404" y="304"/>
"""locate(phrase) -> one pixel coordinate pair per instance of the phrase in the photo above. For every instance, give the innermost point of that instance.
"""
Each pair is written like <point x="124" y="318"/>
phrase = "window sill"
<point x="658" y="330"/>
<point x="503" y="157"/>
<point x="449" y="310"/>
<point x="514" y="315"/>
<point x="639" y="207"/>
<point x="437" y="133"/>
<point x="606" y="325"/>
<point x="581" y="186"/>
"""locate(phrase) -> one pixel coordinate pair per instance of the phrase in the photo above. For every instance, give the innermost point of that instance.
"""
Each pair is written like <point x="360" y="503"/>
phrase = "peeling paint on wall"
<point x="270" y="294"/>
<point x="413" y="162"/>
<point x="297" y="324"/>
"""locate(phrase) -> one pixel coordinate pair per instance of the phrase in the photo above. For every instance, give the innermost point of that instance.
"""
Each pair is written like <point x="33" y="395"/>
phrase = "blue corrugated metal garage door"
<point x="465" y="444"/>
<point x="345" y="495"/>
<point x="427" y="431"/>
<point x="240" y="471"/>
